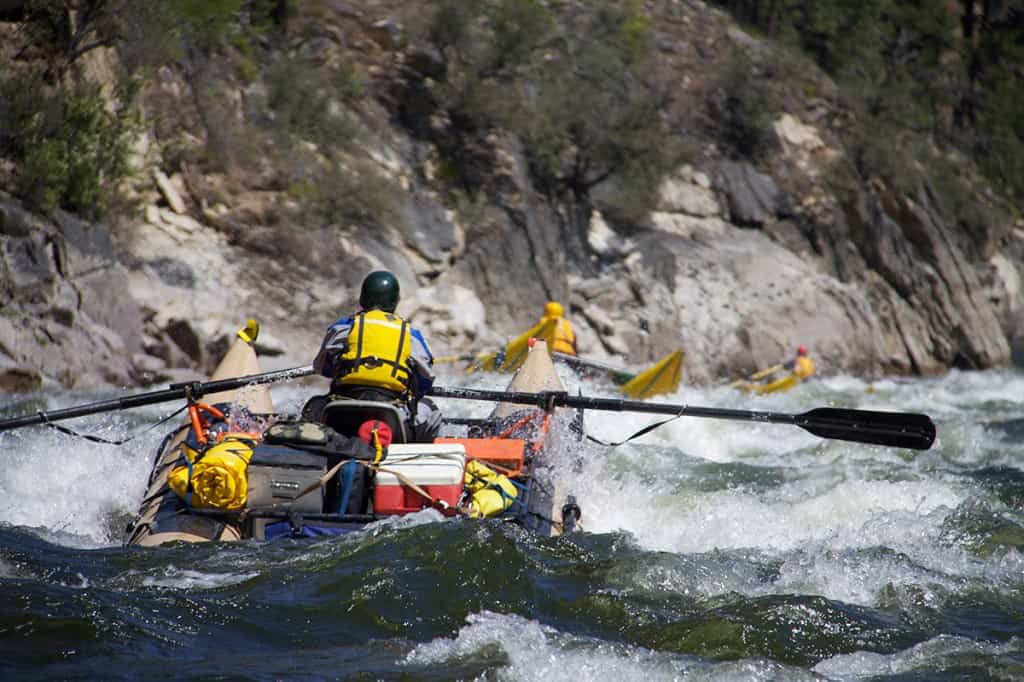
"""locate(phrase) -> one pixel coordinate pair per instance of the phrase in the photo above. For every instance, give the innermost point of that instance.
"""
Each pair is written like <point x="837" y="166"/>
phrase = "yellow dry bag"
<point x="215" y="478"/>
<point x="490" y="492"/>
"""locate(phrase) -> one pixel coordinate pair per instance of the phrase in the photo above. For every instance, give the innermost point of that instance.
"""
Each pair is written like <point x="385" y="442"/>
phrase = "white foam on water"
<point x="930" y="657"/>
<point x="846" y="520"/>
<point x="835" y="505"/>
<point x="174" y="578"/>
<point x="540" y="652"/>
<point x="8" y="570"/>
<point x="423" y="517"/>
<point x="70" y="486"/>
<point x="714" y="439"/>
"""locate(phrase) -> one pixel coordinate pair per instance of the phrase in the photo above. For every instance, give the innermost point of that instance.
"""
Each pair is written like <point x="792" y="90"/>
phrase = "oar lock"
<point x="548" y="400"/>
<point x="192" y="390"/>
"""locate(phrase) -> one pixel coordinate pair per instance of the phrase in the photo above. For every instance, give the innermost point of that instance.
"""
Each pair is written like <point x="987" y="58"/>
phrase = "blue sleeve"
<point x="334" y="344"/>
<point x="424" y="360"/>
<point x="420" y="349"/>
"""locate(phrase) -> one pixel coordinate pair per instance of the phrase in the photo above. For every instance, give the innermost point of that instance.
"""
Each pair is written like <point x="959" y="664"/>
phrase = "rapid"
<point x="712" y="550"/>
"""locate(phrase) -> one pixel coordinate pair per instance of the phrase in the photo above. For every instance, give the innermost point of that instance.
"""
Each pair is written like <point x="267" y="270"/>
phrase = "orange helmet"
<point x="801" y="350"/>
<point x="553" y="309"/>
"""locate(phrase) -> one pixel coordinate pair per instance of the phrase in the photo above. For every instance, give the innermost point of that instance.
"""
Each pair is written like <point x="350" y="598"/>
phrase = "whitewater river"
<point x="713" y="550"/>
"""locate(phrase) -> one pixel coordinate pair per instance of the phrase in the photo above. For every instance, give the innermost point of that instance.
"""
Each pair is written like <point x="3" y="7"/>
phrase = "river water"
<point x="713" y="550"/>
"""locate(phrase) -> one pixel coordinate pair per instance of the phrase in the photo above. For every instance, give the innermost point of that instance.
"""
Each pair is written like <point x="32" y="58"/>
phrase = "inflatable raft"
<point x="238" y="470"/>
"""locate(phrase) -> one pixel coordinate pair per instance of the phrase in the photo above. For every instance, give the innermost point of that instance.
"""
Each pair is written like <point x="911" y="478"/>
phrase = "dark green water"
<point x="713" y="551"/>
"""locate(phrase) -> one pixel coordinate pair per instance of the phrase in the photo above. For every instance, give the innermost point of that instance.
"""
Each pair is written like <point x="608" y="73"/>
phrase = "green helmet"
<point x="380" y="290"/>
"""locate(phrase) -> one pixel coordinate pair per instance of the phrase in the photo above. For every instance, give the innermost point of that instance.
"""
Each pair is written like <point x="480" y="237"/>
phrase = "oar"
<point x="895" y="429"/>
<point x="661" y="377"/>
<point x="174" y="392"/>
<point x="466" y="357"/>
<point x="758" y="375"/>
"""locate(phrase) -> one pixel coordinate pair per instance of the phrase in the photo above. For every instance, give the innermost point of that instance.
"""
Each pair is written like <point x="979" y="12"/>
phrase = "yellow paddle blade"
<point x="450" y="359"/>
<point x="777" y="386"/>
<point x="765" y="372"/>
<point x="250" y="331"/>
<point x="517" y="349"/>
<point x="761" y="374"/>
<point x="483" y="363"/>
<point x="782" y="384"/>
<point x="447" y="359"/>
<point x="514" y="354"/>
<point x="662" y="377"/>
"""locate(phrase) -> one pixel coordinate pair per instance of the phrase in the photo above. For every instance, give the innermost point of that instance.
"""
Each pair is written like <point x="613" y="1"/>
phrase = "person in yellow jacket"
<point x="801" y="366"/>
<point x="564" y="339"/>
<point x="376" y="355"/>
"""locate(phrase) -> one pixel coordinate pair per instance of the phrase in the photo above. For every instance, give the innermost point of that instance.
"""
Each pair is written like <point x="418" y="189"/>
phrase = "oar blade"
<point x="766" y="371"/>
<point x="747" y="383"/>
<point x="894" y="429"/>
<point x="485" y="362"/>
<point x="517" y="349"/>
<point x="661" y="378"/>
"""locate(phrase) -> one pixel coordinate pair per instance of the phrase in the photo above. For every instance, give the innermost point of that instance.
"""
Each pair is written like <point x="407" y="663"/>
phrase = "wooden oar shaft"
<point x="897" y="429"/>
<point x="174" y="392"/>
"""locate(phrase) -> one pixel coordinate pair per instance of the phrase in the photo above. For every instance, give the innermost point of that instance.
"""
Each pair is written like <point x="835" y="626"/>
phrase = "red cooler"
<point x="436" y="467"/>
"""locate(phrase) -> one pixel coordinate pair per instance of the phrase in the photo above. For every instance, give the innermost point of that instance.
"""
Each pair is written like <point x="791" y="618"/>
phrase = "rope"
<point x="646" y="429"/>
<point x="373" y="466"/>
<point x="100" y="439"/>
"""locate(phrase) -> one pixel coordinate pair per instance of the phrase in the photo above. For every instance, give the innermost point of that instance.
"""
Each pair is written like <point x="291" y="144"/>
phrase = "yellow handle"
<point x="250" y="331"/>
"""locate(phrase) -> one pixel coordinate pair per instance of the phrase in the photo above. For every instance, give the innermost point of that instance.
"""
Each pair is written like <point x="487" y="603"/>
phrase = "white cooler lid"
<point x="424" y="463"/>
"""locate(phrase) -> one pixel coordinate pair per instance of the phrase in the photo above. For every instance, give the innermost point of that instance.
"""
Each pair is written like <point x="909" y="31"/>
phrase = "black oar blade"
<point x="895" y="429"/>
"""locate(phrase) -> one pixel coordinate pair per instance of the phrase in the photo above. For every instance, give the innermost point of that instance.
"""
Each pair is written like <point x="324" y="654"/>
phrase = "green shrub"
<point x="743" y="110"/>
<point x="577" y="83"/>
<point x="341" y="195"/>
<point x="308" y="107"/>
<point x="71" y="151"/>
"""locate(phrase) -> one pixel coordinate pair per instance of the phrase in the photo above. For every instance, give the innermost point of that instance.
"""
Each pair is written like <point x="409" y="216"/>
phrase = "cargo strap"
<point x="378" y="456"/>
<point x="402" y="478"/>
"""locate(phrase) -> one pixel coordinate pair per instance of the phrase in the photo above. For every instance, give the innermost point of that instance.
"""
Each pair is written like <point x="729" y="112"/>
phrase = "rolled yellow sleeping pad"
<point x="218" y="478"/>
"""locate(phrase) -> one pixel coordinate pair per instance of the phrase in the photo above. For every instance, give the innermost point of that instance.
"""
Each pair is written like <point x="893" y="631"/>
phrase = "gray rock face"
<point x="927" y="295"/>
<point x="67" y="315"/>
<point x="737" y="265"/>
<point x="752" y="197"/>
<point x="880" y="287"/>
<point x="745" y="303"/>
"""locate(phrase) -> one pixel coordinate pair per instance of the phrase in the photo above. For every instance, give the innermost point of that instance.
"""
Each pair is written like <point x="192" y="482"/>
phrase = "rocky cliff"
<point x="738" y="261"/>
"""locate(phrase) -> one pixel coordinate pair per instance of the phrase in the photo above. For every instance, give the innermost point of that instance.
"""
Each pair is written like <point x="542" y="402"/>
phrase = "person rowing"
<point x="376" y="355"/>
<point x="563" y="339"/>
<point x="770" y="380"/>
<point x="802" y="366"/>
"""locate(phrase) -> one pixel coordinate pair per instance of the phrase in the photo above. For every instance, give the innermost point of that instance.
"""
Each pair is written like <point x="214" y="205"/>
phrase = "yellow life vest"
<point x="379" y="346"/>
<point x="215" y="478"/>
<point x="563" y="339"/>
<point x="804" y="367"/>
<point x="490" y="492"/>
